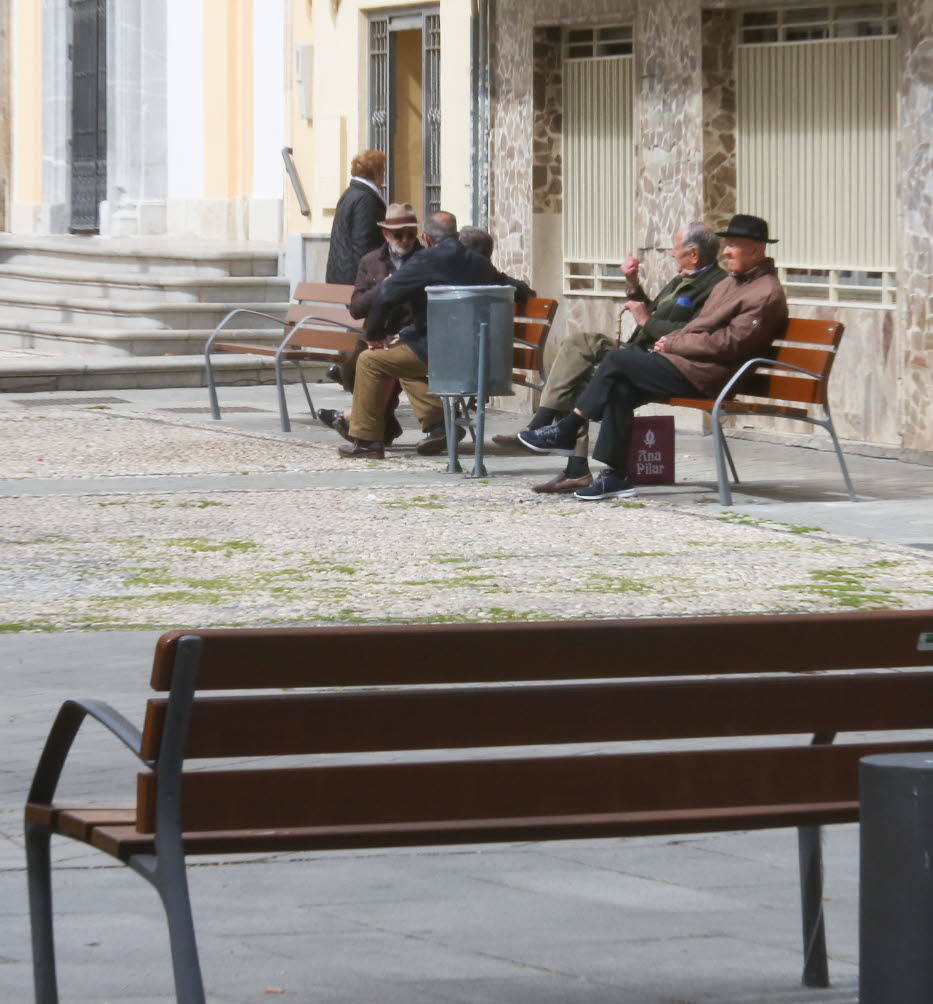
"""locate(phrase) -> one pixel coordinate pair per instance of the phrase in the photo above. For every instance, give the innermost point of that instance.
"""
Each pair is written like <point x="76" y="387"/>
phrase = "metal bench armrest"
<point x="729" y="389"/>
<point x="62" y="734"/>
<point x="231" y="315"/>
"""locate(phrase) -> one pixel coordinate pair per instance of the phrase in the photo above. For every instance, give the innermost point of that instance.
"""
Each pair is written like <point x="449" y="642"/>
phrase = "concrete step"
<point x="21" y="374"/>
<point x="26" y="280"/>
<point x="74" y="341"/>
<point x="150" y="256"/>
<point x="22" y="308"/>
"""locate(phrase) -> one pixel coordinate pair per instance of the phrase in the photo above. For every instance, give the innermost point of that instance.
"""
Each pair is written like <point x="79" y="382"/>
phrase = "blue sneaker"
<point x="608" y="485"/>
<point x="549" y="439"/>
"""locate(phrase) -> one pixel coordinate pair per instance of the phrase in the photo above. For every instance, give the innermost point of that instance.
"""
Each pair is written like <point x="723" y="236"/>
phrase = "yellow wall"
<point x="228" y="98"/>
<point x="26" y="48"/>
<point x="340" y="43"/>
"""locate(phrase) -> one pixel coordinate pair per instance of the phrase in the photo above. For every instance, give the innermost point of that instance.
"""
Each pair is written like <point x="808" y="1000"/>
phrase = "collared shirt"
<point x="366" y="181"/>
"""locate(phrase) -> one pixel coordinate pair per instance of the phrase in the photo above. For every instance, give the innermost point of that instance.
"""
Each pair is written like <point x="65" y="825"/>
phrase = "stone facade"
<point x="548" y="109"/>
<point x="882" y="387"/>
<point x="915" y="275"/>
<point x="719" y="116"/>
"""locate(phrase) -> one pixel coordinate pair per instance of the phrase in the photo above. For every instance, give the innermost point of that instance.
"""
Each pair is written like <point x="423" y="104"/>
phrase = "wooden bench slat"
<point x="123" y="841"/>
<point x="484" y="653"/>
<point x="292" y="724"/>
<point x="330" y="339"/>
<point x="324" y="292"/>
<point x="255" y="349"/>
<point x="328" y="313"/>
<point x="526" y="786"/>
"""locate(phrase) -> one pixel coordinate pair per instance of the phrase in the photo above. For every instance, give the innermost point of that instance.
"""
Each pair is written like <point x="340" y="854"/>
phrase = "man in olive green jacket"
<point x="695" y="250"/>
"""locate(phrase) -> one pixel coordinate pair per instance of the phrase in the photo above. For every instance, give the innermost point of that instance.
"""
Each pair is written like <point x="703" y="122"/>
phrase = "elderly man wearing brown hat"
<point x="741" y="317"/>
<point x="400" y="230"/>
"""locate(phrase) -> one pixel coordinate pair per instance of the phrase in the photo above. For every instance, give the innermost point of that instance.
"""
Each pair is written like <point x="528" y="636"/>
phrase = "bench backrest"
<point x="391" y="693"/>
<point x="533" y="321"/>
<point x="810" y="344"/>
<point x="326" y="328"/>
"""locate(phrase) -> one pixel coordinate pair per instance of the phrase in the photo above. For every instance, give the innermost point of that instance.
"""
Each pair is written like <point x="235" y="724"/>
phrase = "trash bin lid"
<point x="467" y="292"/>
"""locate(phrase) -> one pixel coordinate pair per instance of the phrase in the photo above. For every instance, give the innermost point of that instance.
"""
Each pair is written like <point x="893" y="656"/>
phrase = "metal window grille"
<point x="598" y="168"/>
<point x="817" y="22"/>
<point x="379" y="93"/>
<point x="88" y="114"/>
<point x="816" y="157"/>
<point x="432" y="113"/>
<point x="382" y="96"/>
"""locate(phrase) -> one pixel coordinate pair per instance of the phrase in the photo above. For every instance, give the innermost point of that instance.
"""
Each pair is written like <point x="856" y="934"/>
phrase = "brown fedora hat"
<point x="399" y="216"/>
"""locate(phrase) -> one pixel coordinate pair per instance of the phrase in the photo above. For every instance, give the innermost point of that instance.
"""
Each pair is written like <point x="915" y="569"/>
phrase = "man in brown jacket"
<point x="742" y="316"/>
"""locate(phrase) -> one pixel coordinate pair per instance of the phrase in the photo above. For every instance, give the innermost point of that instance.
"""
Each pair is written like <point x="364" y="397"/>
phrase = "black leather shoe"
<point x="562" y="484"/>
<point x="392" y="430"/>
<point x="503" y="440"/>
<point x="361" y="449"/>
<point x="329" y="416"/>
<point x="333" y="373"/>
<point x="435" y="441"/>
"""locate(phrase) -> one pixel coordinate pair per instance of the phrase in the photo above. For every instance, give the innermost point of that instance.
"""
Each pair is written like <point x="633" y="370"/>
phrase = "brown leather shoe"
<point x="361" y="449"/>
<point x="561" y="483"/>
<point x="502" y="440"/>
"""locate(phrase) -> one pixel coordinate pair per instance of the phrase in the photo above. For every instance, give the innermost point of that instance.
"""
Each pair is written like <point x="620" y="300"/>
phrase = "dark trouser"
<point x="623" y="382"/>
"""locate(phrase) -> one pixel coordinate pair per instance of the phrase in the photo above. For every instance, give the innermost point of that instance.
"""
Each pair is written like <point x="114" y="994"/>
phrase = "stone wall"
<point x="719" y="116"/>
<point x="882" y="386"/>
<point x="915" y="275"/>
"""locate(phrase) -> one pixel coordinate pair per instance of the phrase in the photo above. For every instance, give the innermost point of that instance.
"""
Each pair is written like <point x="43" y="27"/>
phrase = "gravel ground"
<point x="453" y="551"/>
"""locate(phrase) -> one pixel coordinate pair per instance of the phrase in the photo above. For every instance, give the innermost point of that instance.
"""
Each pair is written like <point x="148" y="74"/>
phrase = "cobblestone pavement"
<point x="119" y="514"/>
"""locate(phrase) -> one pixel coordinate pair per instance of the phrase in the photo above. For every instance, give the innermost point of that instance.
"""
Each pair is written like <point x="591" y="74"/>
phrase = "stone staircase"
<point x="80" y="313"/>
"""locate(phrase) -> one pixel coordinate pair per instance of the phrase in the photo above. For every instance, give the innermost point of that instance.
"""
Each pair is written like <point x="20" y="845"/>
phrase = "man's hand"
<point x="659" y="345"/>
<point x="376" y="345"/>
<point x="638" y="310"/>
<point x="629" y="268"/>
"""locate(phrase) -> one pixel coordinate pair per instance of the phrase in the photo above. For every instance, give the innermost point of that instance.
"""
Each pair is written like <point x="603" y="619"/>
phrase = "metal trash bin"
<point x="896" y="873"/>
<point x="470" y="335"/>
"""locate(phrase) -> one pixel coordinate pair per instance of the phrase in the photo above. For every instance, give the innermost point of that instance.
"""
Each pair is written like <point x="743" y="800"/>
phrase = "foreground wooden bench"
<point x="386" y="695"/>
<point x="316" y="327"/>
<point x="789" y="382"/>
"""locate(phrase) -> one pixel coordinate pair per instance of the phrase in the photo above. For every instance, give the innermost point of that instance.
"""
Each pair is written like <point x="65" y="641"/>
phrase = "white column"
<point x="55" y="213"/>
<point x="136" y="118"/>
<point x="185" y="119"/>
<point x="266" y="205"/>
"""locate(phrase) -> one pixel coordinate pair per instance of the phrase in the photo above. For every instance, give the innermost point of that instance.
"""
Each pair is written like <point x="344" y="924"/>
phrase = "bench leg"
<point x="39" y="869"/>
<point x="815" y="966"/>
<point x="189" y="987"/>
<point x="211" y="387"/>
<point x="831" y="429"/>
<point x="304" y="385"/>
<point x="280" y="389"/>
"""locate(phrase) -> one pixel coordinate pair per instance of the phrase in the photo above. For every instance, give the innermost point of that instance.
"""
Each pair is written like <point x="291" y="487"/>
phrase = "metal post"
<point x="450" y="431"/>
<point x="896" y="899"/>
<point x="482" y="383"/>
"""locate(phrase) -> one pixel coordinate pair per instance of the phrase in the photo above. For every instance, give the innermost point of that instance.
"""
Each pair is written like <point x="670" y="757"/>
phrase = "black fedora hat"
<point x="752" y="227"/>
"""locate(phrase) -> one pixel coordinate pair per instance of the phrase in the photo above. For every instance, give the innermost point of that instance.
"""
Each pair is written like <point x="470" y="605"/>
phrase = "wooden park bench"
<point x="384" y="690"/>
<point x="788" y="382"/>
<point x="317" y="328"/>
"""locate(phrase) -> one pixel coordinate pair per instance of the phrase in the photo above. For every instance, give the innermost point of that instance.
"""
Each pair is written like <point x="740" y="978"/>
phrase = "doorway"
<point x="404" y="105"/>
<point x="88" y="114"/>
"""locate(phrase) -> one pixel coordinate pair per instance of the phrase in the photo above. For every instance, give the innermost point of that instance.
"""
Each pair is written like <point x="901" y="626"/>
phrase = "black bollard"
<point x="896" y="897"/>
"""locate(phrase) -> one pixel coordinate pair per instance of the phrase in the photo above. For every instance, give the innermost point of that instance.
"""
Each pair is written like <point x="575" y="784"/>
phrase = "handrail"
<point x="292" y="171"/>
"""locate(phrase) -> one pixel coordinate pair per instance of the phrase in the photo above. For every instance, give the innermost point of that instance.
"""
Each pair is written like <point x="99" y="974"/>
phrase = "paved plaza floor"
<point x="127" y="512"/>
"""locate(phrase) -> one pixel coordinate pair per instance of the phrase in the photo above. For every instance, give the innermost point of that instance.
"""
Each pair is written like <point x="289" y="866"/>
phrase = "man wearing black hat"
<point x="742" y="316"/>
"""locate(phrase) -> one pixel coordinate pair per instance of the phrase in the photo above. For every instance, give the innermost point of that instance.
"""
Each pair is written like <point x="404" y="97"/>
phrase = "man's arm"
<point x="751" y="330"/>
<point x="398" y="288"/>
<point x="364" y="292"/>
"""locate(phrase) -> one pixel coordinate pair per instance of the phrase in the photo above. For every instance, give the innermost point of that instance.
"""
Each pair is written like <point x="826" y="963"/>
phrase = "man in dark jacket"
<point x="695" y="250"/>
<point x="444" y="261"/>
<point x="741" y="317"/>
<point x="355" y="229"/>
<point x="400" y="229"/>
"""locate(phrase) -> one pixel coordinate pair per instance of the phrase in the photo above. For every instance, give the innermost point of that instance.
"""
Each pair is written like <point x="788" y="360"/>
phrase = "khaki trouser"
<point x="373" y="368"/>
<point x="579" y="355"/>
